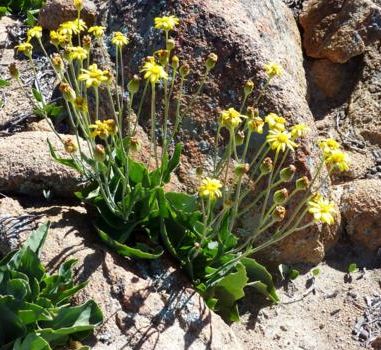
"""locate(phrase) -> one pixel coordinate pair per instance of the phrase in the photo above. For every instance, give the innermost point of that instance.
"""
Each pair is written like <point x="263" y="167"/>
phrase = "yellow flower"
<point x="119" y="39"/>
<point x="337" y="159"/>
<point x="97" y="31"/>
<point x="77" y="53"/>
<point x="299" y="130"/>
<point x="78" y="4"/>
<point x="93" y="76"/>
<point x="25" y="48"/>
<point x="275" y="122"/>
<point x="59" y="38"/>
<point x="72" y="27"/>
<point x="328" y="145"/>
<point x="280" y="140"/>
<point x="255" y="124"/>
<point x="230" y="118"/>
<point x="103" y="129"/>
<point x="70" y="146"/>
<point x="35" y="32"/>
<point x="322" y="209"/>
<point x="210" y="188"/>
<point x="273" y="69"/>
<point x="153" y="71"/>
<point x="81" y="105"/>
<point x="166" y="23"/>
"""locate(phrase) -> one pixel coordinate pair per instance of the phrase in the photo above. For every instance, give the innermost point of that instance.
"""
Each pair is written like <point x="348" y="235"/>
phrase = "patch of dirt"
<point x="322" y="320"/>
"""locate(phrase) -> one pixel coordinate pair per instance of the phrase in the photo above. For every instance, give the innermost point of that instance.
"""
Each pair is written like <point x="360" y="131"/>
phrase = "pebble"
<point x="283" y="328"/>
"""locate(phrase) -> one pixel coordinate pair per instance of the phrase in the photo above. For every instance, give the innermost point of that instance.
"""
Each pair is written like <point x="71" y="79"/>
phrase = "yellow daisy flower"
<point x="35" y="32"/>
<point x="273" y="69"/>
<point x="275" y="122"/>
<point x="25" y="48"/>
<point x="337" y="159"/>
<point x="103" y="128"/>
<point x="153" y="71"/>
<point x="322" y="209"/>
<point x="97" y="31"/>
<point x="166" y="23"/>
<point x="230" y="118"/>
<point x="210" y="188"/>
<point x="299" y="130"/>
<point x="77" y="53"/>
<point x="328" y="145"/>
<point x="280" y="140"/>
<point x="119" y="39"/>
<point x="93" y="76"/>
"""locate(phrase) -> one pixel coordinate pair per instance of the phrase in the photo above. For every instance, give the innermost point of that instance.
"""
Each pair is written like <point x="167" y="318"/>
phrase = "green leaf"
<point x="3" y="83"/>
<point x="31" y="342"/>
<point x="140" y="251"/>
<point x="315" y="272"/>
<point x="228" y="291"/>
<point x="18" y="288"/>
<point x="173" y="163"/>
<point x="182" y="201"/>
<point x="257" y="272"/>
<point x="37" y="95"/>
<point x="293" y="274"/>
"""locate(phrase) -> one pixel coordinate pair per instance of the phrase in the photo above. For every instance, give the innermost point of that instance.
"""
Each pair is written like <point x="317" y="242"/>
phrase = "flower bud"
<point x="279" y="213"/>
<point x="252" y="112"/>
<point x="302" y="183"/>
<point x="13" y="71"/>
<point x="170" y="44"/>
<point x="199" y="171"/>
<point x="81" y="105"/>
<point x="86" y="42"/>
<point x="133" y="84"/>
<point x="78" y="4"/>
<point x="175" y="62"/>
<point x="280" y="196"/>
<point x="99" y="153"/>
<point x="248" y="88"/>
<point x="239" y="138"/>
<point x="70" y="146"/>
<point x="57" y="62"/>
<point x="163" y="57"/>
<point x="67" y="92"/>
<point x="135" y="144"/>
<point x="241" y="169"/>
<point x="184" y="70"/>
<point x="288" y="173"/>
<point x="266" y="166"/>
<point x="211" y="61"/>
<point x="197" y="245"/>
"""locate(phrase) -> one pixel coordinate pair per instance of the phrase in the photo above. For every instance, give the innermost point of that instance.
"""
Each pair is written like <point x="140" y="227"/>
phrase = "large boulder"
<point x="245" y="35"/>
<point x="55" y="12"/>
<point x="146" y="305"/>
<point x="361" y="211"/>
<point x="26" y="166"/>
<point x="340" y="29"/>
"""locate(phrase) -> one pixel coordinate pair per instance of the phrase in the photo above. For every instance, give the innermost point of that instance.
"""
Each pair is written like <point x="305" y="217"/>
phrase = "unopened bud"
<point x="197" y="245"/>
<point x="78" y="4"/>
<point x="99" y="153"/>
<point x="163" y="57"/>
<point x="13" y="71"/>
<point x="67" y="92"/>
<point x="70" y="146"/>
<point x="279" y="213"/>
<point x="211" y="61"/>
<point x="81" y="104"/>
<point x="239" y="138"/>
<point x="184" y="70"/>
<point x="170" y="44"/>
<point x="199" y="171"/>
<point x="242" y="169"/>
<point x="133" y="85"/>
<point x="280" y="196"/>
<point x="248" y="88"/>
<point x="252" y="112"/>
<point x="175" y="62"/>
<point x="288" y="173"/>
<point x="86" y="42"/>
<point x="302" y="183"/>
<point x="57" y="62"/>
<point x="266" y="166"/>
<point x="135" y="144"/>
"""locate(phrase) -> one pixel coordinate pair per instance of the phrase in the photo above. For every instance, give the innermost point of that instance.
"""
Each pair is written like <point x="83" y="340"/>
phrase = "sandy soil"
<point x="323" y="320"/>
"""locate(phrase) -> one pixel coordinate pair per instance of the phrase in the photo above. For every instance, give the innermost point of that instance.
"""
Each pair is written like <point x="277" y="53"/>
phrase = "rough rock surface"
<point x="361" y="210"/>
<point x="339" y="29"/>
<point x="27" y="167"/>
<point x="245" y="36"/>
<point x="147" y="306"/>
<point x="55" y="12"/>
